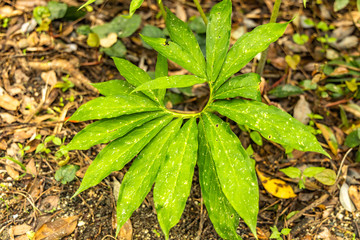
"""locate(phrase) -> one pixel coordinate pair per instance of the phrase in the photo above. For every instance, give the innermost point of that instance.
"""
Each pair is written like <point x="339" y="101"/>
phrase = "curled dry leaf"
<point x="276" y="187"/>
<point x="302" y="110"/>
<point x="58" y="229"/>
<point x="354" y="193"/>
<point x="345" y="198"/>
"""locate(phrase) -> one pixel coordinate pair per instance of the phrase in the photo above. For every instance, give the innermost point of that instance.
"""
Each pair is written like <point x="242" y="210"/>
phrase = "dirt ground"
<point x="36" y="66"/>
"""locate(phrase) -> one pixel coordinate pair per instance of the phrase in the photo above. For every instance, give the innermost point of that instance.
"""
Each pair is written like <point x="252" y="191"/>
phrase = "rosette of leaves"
<point x="169" y="144"/>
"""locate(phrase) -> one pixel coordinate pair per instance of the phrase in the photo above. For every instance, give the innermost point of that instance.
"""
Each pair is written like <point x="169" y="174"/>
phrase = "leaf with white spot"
<point x="222" y="215"/>
<point x="114" y="106"/>
<point x="119" y="152"/>
<point x="175" y="53"/>
<point x="178" y="81"/>
<point x="173" y="182"/>
<point x="114" y="87"/>
<point x="106" y="130"/>
<point x="161" y="70"/>
<point x="247" y="47"/>
<point x="139" y="179"/>
<point x="234" y="168"/>
<point x="271" y="122"/>
<point x="218" y="38"/>
<point x="134" y="75"/>
<point x="181" y="34"/>
<point x="246" y="85"/>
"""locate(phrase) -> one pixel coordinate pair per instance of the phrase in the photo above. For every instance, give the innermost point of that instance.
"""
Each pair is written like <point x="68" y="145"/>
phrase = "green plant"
<point x="323" y="175"/>
<point x="275" y="234"/>
<point x="353" y="140"/>
<point x="42" y="147"/>
<point x="135" y="121"/>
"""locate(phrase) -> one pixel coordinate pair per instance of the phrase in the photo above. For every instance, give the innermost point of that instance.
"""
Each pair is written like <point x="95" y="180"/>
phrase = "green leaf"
<point x="87" y="3"/>
<point x="300" y="39"/>
<point x="181" y="34"/>
<point x="113" y="106"/>
<point x="175" y="53"/>
<point x="218" y="38"/>
<point x="222" y="215"/>
<point x="285" y="231"/>
<point x="57" y="9"/>
<point x="256" y="137"/>
<point x="235" y="170"/>
<point x="312" y="171"/>
<point x="121" y="25"/>
<point x="119" y="152"/>
<point x="246" y="85"/>
<point x="66" y="174"/>
<point x="247" y="47"/>
<point x="358" y="5"/>
<point x="117" y="50"/>
<point x="271" y="122"/>
<point x="40" y="13"/>
<point x="106" y="130"/>
<point x="171" y="82"/>
<point x="340" y="4"/>
<point x="114" y="87"/>
<point x="275" y="234"/>
<point x="161" y="70"/>
<point x="173" y="182"/>
<point x="291" y="172"/>
<point x="139" y="179"/>
<point x="326" y="177"/>
<point x="134" y="75"/>
<point x="135" y="4"/>
<point x="151" y="31"/>
<point x="93" y="40"/>
<point x="196" y="24"/>
<point x="353" y="139"/>
<point x="286" y="91"/>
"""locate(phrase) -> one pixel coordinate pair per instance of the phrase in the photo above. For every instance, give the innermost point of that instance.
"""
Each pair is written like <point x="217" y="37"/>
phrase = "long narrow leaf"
<point x="247" y="47"/>
<point x="175" y="53"/>
<point x="170" y="82"/>
<point x="246" y="85"/>
<point x="106" y="130"/>
<point x="181" y="34"/>
<point x="134" y="75"/>
<point x="114" y="87"/>
<point x="113" y="106"/>
<point x="139" y="179"/>
<point x="234" y="168"/>
<point x="119" y="152"/>
<point x="218" y="38"/>
<point x="173" y="182"/>
<point x="161" y="70"/>
<point x="273" y="123"/>
<point x="222" y="215"/>
<point x="135" y="4"/>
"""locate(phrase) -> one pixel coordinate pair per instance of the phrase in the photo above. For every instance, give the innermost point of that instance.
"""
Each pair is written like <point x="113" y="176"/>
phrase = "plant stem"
<point x="202" y="14"/>
<point x="274" y="15"/>
<point x="162" y="9"/>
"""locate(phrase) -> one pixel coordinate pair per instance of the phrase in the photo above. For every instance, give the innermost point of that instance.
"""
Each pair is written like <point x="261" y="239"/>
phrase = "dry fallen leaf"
<point x="126" y="231"/>
<point x="31" y="168"/>
<point x="302" y="110"/>
<point x="12" y="172"/>
<point x="345" y="198"/>
<point x="354" y="193"/>
<point x="8" y="102"/>
<point x="329" y="137"/>
<point x="58" y="229"/>
<point x="49" y="203"/>
<point x="20" y="229"/>
<point x="49" y="77"/>
<point x="276" y="187"/>
<point x="109" y="40"/>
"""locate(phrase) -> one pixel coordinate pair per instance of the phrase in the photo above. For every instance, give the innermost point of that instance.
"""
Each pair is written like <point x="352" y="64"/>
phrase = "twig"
<point x="342" y="163"/>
